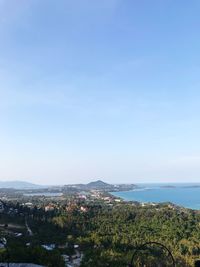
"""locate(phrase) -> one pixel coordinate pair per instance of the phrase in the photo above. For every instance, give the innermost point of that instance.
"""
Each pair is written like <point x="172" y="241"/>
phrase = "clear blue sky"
<point x="104" y="89"/>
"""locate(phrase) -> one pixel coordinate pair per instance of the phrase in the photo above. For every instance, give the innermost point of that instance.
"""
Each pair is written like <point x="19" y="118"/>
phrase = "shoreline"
<point x="144" y="198"/>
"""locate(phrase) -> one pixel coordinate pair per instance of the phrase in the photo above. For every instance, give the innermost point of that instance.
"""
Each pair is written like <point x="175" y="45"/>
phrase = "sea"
<point x="186" y="195"/>
<point x="46" y="194"/>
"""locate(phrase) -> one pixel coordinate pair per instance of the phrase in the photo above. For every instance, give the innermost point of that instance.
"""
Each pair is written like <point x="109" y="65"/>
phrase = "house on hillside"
<point x="49" y="247"/>
<point x="49" y="207"/>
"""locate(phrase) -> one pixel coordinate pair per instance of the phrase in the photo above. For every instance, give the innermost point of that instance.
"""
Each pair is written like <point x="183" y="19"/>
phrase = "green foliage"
<point x="36" y="255"/>
<point x="108" y="235"/>
<point x="112" y="234"/>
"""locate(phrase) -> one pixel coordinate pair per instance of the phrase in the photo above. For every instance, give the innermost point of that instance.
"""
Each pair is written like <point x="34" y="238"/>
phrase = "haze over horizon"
<point x="93" y="89"/>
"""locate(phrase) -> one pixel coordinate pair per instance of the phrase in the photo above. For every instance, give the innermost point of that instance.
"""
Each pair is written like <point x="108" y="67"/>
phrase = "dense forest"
<point x="109" y="235"/>
<point x="115" y="233"/>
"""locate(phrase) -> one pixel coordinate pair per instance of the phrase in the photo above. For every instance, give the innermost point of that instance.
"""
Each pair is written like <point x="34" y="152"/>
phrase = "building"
<point x="48" y="247"/>
<point x="49" y="207"/>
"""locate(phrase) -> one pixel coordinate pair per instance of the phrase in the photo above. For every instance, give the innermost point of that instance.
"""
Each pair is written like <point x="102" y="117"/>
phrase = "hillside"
<point x="98" y="184"/>
<point x="19" y="185"/>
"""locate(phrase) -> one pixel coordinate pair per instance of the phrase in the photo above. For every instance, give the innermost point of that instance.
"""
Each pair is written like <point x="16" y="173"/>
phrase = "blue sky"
<point x="95" y="89"/>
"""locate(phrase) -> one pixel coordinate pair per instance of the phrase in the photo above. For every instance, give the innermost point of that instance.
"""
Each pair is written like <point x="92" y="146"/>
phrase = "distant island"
<point x="168" y="186"/>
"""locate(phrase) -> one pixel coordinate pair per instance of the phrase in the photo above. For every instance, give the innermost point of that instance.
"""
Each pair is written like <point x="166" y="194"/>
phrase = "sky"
<point x="99" y="89"/>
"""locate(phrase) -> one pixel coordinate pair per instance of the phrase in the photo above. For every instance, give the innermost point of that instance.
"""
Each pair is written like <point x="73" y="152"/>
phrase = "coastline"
<point x="165" y="194"/>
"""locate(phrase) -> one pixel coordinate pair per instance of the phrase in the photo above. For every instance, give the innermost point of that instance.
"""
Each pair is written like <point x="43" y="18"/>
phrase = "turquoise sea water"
<point x="186" y="195"/>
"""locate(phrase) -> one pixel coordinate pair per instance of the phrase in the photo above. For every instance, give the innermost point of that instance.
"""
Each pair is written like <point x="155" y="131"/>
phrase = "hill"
<point x="19" y="185"/>
<point x="98" y="184"/>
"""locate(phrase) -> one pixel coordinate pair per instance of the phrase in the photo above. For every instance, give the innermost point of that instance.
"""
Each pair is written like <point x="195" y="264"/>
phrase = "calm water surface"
<point x="186" y="195"/>
<point x="46" y="194"/>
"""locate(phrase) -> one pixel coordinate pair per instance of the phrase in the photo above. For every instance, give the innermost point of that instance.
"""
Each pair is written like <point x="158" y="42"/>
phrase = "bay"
<point x="186" y="195"/>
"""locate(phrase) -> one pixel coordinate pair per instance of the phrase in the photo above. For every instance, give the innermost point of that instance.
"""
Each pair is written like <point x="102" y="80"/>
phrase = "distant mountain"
<point x="98" y="184"/>
<point x="19" y="185"/>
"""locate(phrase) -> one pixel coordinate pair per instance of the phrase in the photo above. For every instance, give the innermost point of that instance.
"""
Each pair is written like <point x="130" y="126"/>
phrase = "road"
<point x="28" y="228"/>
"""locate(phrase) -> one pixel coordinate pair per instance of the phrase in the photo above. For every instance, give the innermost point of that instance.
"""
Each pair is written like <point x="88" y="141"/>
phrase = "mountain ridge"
<point x="18" y="184"/>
